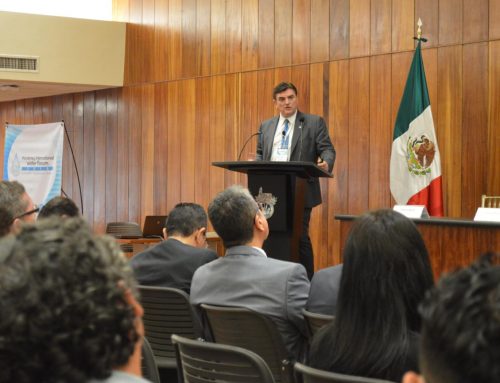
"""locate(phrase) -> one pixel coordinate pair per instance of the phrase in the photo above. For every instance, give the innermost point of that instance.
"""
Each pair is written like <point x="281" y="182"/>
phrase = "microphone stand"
<point x="246" y="142"/>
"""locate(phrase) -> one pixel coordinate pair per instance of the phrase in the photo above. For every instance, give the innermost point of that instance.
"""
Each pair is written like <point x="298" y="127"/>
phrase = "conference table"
<point x="451" y="242"/>
<point x="132" y="246"/>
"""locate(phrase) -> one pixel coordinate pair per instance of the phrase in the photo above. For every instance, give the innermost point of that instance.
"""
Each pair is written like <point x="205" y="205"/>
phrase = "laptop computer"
<point x="153" y="226"/>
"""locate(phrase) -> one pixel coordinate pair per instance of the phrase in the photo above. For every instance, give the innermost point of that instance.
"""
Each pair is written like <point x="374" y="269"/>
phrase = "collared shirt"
<point x="260" y="251"/>
<point x="278" y="136"/>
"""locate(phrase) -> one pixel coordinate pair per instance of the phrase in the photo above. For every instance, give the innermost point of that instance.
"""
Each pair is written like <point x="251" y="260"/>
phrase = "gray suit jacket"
<point x="308" y="143"/>
<point x="246" y="278"/>
<point x="325" y="290"/>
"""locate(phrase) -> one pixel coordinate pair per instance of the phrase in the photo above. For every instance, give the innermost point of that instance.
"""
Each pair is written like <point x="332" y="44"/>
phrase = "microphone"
<point x="301" y="123"/>
<point x="246" y="142"/>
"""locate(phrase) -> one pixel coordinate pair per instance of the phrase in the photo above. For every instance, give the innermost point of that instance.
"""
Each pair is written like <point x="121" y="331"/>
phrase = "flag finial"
<point x="419" y="30"/>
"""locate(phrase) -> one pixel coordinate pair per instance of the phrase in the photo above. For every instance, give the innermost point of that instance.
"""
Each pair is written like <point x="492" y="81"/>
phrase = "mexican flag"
<point x="415" y="162"/>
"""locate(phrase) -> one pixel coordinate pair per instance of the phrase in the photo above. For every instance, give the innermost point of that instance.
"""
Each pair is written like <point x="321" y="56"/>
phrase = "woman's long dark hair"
<point x="385" y="275"/>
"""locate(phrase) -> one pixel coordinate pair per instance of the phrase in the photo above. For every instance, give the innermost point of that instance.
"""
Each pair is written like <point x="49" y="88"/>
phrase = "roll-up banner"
<point x="33" y="156"/>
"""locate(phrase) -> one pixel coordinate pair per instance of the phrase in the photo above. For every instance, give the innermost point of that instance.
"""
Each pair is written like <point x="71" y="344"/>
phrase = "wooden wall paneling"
<point x="381" y="132"/>
<point x="432" y="235"/>
<point x="217" y="133"/>
<point x="233" y="36"/>
<point x="202" y="153"/>
<point x="78" y="143"/>
<point x="475" y="126"/>
<point x="400" y="67"/>
<point x="188" y="142"/>
<point x="202" y="38"/>
<point x="318" y="230"/>
<point x="450" y="22"/>
<point x="403" y="24"/>
<point x="449" y="128"/>
<point x="301" y="31"/>
<point x="283" y="10"/>
<point x="301" y="79"/>
<point x="147" y="151"/>
<point x="381" y="27"/>
<point x="493" y="181"/>
<point x="135" y="50"/>
<point x="475" y="14"/>
<point x="189" y="39"/>
<point x="147" y="38"/>
<point x="123" y="154"/>
<point x="28" y="109"/>
<point x="266" y="81"/>
<point x="218" y="37"/>
<point x="135" y="154"/>
<point x="359" y="135"/>
<point x="37" y="111"/>
<point x="281" y="74"/>
<point x="88" y="156"/>
<point x="339" y="133"/>
<point x="249" y="119"/>
<point x="68" y="166"/>
<point x="249" y="34"/>
<point x="100" y="149"/>
<point x="458" y="252"/>
<point x="46" y="109"/>
<point x="161" y="40"/>
<point x="266" y="33"/>
<point x="428" y="12"/>
<point x="111" y="154"/>
<point x="20" y="111"/>
<point x="174" y="146"/>
<point x="175" y="48"/>
<point x="160" y="181"/>
<point x="339" y="29"/>
<point x="232" y="126"/>
<point x="494" y="19"/>
<point x="320" y="26"/>
<point x="359" y="28"/>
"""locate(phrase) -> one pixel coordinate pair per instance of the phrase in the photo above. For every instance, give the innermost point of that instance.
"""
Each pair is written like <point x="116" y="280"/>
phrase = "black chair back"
<point x="202" y="362"/>
<point x="148" y="363"/>
<point x="312" y="375"/>
<point x="248" y="329"/>
<point x="316" y="321"/>
<point x="167" y="311"/>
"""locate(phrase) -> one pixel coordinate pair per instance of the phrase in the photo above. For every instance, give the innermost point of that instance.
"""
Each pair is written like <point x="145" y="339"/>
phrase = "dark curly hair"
<point x="461" y="326"/>
<point x="59" y="206"/>
<point x="64" y="317"/>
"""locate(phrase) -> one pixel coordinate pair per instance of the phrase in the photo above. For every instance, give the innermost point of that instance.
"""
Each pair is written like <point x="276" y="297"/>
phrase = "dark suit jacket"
<point x="170" y="263"/>
<point x="324" y="291"/>
<point x="246" y="278"/>
<point x="315" y="143"/>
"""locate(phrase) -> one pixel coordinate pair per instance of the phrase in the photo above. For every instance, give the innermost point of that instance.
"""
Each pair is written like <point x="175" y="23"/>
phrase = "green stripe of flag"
<point x="415" y="97"/>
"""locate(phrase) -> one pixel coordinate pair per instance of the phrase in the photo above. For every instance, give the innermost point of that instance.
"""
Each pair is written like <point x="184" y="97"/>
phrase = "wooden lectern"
<point x="279" y="188"/>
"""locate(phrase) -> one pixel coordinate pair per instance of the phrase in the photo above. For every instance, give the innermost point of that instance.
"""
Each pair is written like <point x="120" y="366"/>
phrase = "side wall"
<point x="199" y="76"/>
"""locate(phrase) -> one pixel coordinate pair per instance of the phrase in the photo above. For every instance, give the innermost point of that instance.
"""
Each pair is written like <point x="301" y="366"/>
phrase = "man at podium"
<point x="296" y="136"/>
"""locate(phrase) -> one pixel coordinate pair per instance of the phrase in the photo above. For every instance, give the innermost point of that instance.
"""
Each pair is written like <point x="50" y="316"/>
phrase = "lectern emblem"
<point x="266" y="202"/>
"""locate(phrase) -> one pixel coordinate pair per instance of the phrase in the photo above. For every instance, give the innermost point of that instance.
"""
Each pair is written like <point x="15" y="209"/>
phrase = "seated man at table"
<point x="173" y="262"/>
<point x="460" y="340"/>
<point x="245" y="276"/>
<point x="69" y="311"/>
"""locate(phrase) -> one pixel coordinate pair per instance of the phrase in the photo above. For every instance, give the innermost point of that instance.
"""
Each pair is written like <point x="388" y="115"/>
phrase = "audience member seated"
<point x="59" y="206"/>
<point x="18" y="203"/>
<point x="385" y="275"/>
<point x="245" y="277"/>
<point x="173" y="262"/>
<point x="460" y="340"/>
<point x="324" y="291"/>
<point x="68" y="307"/>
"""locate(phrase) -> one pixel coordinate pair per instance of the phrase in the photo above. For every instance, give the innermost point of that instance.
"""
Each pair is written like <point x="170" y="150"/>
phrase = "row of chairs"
<point x="168" y="311"/>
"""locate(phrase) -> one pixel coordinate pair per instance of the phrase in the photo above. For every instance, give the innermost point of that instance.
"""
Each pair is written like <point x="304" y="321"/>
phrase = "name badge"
<point x="281" y="154"/>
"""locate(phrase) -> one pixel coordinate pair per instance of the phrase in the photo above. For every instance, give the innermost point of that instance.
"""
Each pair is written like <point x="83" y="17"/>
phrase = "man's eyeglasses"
<point x="35" y="209"/>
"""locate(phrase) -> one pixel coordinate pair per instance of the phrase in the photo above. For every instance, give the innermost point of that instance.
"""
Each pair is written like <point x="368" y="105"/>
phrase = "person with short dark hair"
<point x="297" y="136"/>
<point x="69" y="308"/>
<point x="385" y="274"/>
<point x="59" y="206"/>
<point x="173" y="262"/>
<point x="460" y="340"/>
<point x="18" y="204"/>
<point x="245" y="276"/>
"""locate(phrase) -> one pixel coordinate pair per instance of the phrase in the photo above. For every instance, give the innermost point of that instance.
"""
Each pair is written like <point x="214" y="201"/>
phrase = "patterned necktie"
<point x="284" y="139"/>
